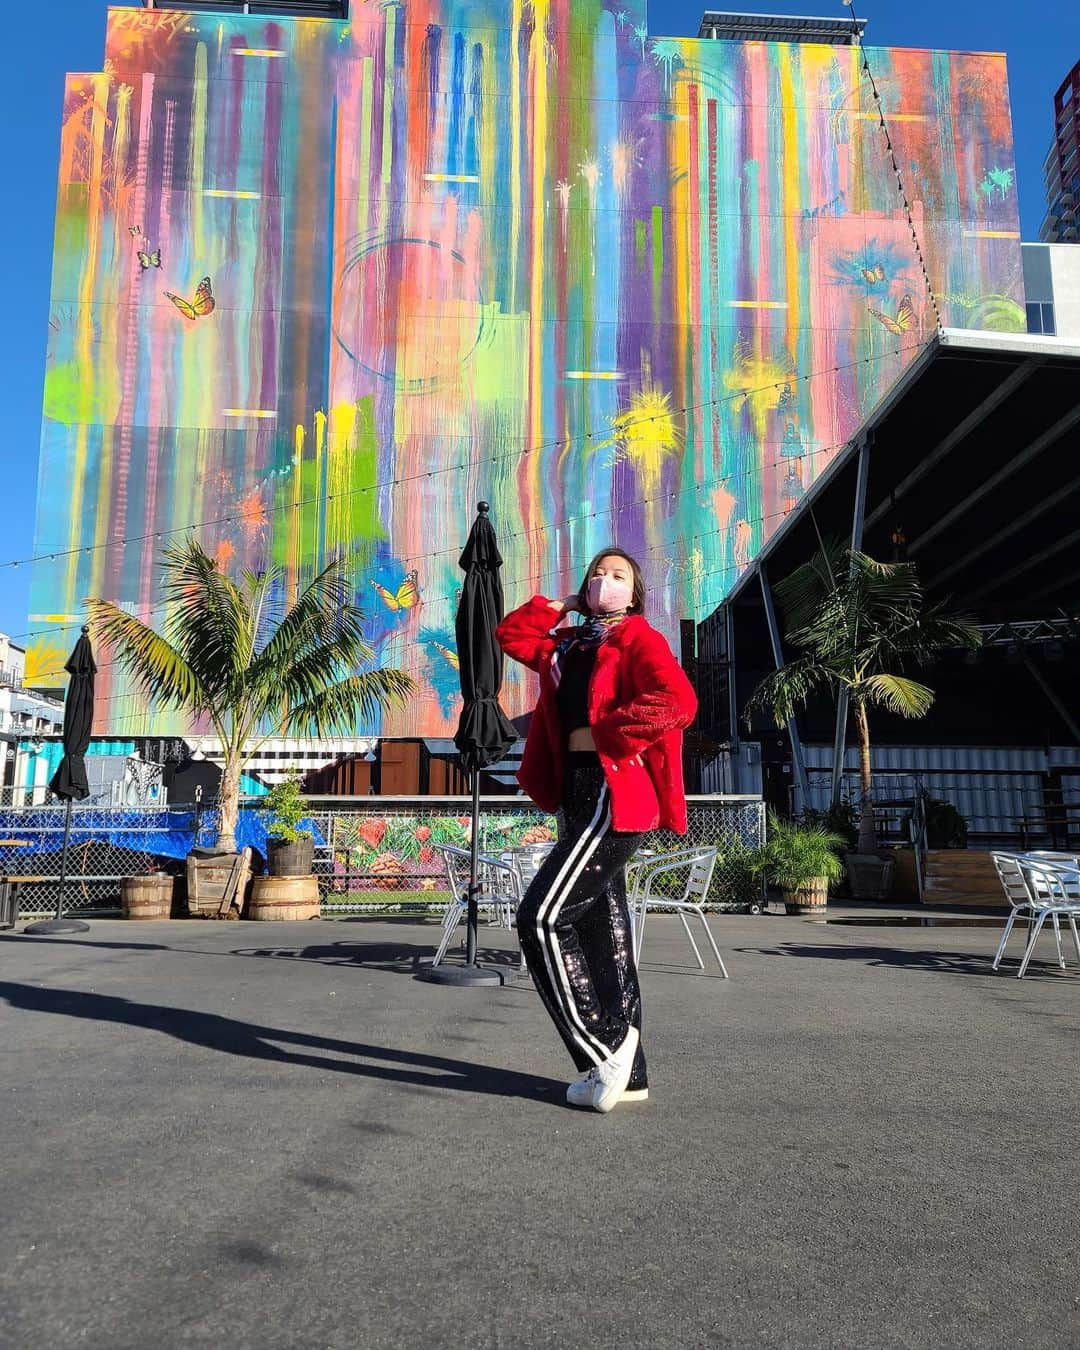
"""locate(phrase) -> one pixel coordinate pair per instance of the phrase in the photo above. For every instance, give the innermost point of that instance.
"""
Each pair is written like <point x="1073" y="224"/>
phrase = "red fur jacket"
<point x="639" y="701"/>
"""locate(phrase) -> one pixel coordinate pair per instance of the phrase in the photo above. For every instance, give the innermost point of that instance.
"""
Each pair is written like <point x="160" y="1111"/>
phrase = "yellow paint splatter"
<point x="45" y="663"/>
<point x="646" y="434"/>
<point x="762" y="381"/>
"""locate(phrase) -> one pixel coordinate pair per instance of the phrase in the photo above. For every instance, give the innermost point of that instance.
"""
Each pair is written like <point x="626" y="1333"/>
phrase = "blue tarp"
<point x="164" y="834"/>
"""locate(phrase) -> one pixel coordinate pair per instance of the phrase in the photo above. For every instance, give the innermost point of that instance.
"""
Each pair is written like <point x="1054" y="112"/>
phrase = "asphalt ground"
<point x="272" y="1135"/>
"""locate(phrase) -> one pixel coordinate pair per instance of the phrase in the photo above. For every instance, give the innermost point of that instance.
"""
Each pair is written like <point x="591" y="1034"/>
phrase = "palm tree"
<point x="231" y="651"/>
<point x="856" y="622"/>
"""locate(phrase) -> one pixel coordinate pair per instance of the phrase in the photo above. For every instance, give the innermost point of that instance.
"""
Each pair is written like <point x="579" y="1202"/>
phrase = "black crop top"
<point x="572" y="695"/>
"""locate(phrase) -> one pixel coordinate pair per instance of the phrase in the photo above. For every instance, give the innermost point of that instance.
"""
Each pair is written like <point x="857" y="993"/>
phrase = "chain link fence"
<point x="371" y="854"/>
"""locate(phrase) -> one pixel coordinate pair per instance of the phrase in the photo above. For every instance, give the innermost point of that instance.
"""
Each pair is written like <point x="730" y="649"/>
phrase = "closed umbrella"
<point x="484" y="733"/>
<point x="69" y="781"/>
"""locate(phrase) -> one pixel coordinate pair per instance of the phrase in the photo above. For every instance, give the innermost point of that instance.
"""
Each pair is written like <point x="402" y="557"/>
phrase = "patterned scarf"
<point x="589" y="635"/>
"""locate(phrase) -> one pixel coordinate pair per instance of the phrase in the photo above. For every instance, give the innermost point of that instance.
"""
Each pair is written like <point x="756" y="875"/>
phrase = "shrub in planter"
<point x="801" y="860"/>
<point x="290" y="844"/>
<point x="945" y="826"/>
<point x="841" y="818"/>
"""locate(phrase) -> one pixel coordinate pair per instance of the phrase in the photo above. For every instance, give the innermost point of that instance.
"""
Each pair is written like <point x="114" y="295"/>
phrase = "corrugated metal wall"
<point x="996" y="789"/>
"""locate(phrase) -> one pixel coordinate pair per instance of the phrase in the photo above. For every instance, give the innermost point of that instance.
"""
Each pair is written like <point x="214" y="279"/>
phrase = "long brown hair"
<point x="637" y="605"/>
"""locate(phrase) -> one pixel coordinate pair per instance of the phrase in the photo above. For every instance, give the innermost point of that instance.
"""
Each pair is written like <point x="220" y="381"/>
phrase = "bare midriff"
<point x="581" y="739"/>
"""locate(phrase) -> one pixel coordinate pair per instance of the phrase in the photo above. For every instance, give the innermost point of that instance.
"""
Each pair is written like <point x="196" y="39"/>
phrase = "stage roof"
<point x="285" y="9"/>
<point x="733" y="26"/>
<point x="975" y="461"/>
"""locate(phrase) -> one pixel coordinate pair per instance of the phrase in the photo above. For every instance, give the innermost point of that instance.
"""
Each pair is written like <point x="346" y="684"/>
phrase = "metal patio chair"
<point x="528" y="861"/>
<point x="500" y="894"/>
<point x="699" y="865"/>
<point x="1039" y="886"/>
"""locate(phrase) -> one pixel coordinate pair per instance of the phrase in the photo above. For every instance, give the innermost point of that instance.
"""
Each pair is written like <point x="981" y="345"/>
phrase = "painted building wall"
<point x="320" y="287"/>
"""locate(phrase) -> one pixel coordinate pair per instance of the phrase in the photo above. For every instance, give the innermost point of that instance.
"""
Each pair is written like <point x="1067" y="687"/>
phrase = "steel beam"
<point x="732" y="692"/>
<point x="1052" y="698"/>
<point x="858" y="525"/>
<point x="798" y="759"/>
<point x="975" y="418"/>
<point x="1007" y="531"/>
<point x="1058" y="546"/>
<point x="1014" y="465"/>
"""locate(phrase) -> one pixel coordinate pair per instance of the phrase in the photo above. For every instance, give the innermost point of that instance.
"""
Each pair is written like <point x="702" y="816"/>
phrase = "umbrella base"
<point x="47" y="926"/>
<point x="464" y="976"/>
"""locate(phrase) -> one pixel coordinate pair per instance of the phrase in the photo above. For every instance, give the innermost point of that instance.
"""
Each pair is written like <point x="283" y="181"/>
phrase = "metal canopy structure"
<point x="727" y="26"/>
<point x="284" y="9"/>
<point x="972" y="464"/>
<point x="969" y="468"/>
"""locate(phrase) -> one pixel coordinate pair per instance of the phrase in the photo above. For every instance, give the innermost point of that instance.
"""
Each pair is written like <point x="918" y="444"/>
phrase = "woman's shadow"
<point x="233" y="1037"/>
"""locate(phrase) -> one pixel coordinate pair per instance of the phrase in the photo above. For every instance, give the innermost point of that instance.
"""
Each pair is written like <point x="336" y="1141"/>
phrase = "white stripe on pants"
<point x="548" y="917"/>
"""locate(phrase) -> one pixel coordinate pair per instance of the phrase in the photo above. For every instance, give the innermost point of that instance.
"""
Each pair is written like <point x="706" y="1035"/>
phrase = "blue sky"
<point x="46" y="39"/>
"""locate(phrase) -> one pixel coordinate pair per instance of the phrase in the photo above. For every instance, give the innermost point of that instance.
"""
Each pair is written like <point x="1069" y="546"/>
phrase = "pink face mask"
<point x="606" y="595"/>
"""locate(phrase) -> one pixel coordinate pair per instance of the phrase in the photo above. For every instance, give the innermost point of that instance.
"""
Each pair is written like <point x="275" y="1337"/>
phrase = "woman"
<point x="605" y="745"/>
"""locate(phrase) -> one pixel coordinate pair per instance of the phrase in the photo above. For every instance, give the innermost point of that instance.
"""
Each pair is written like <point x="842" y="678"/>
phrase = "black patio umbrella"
<point x="69" y="781"/>
<point x="484" y="733"/>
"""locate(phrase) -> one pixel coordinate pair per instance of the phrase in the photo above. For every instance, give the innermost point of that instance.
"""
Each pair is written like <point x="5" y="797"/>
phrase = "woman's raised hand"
<point x="567" y="605"/>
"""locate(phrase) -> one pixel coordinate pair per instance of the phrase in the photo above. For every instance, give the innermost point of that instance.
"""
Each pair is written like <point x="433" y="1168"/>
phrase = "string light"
<point x="624" y="426"/>
<point x="705" y="486"/>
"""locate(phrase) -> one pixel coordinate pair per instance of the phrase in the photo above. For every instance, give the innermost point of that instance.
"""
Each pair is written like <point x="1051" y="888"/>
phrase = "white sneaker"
<point x="580" y="1093"/>
<point x="604" y="1086"/>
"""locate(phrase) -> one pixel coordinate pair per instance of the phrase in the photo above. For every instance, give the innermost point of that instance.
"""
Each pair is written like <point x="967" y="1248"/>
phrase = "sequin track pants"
<point x="574" y="926"/>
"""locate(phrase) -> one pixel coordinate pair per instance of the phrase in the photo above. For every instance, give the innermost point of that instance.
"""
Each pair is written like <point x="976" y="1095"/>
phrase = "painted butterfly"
<point x="451" y="656"/>
<point x="202" y="304"/>
<point x="407" y="595"/>
<point x="149" y="259"/>
<point x="905" y="317"/>
<point x="873" y="275"/>
<point x="133" y="230"/>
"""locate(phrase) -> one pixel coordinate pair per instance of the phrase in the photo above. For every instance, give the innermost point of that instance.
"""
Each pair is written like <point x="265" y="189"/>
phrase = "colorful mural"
<point x="319" y="287"/>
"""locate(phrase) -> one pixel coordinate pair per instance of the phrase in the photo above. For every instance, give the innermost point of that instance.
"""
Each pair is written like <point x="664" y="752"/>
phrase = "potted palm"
<point x="290" y="844"/>
<point x="234" y="655"/>
<point x="855" y="623"/>
<point x="802" y="861"/>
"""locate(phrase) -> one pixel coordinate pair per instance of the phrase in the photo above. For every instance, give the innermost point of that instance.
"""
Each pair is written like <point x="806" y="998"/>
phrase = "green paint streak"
<point x="657" y="262"/>
<point x="389" y="76"/>
<point x="641" y="243"/>
<point x="363" y="508"/>
<point x="73" y="400"/>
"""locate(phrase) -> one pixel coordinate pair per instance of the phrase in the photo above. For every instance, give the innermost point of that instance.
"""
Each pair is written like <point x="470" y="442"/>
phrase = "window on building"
<point x="1040" y="318"/>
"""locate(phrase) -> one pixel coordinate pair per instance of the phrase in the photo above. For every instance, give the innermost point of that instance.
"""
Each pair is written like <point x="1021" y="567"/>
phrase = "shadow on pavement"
<point x="232" y="1037"/>
<point x="22" y="938"/>
<point x="395" y="958"/>
<point x="955" y="963"/>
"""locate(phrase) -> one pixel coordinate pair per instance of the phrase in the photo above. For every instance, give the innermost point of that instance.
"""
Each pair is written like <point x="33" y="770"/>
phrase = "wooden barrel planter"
<point x="147" y="897"/>
<point x="810" y="900"/>
<point x="284" y="898"/>
<point x="290" y="858"/>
